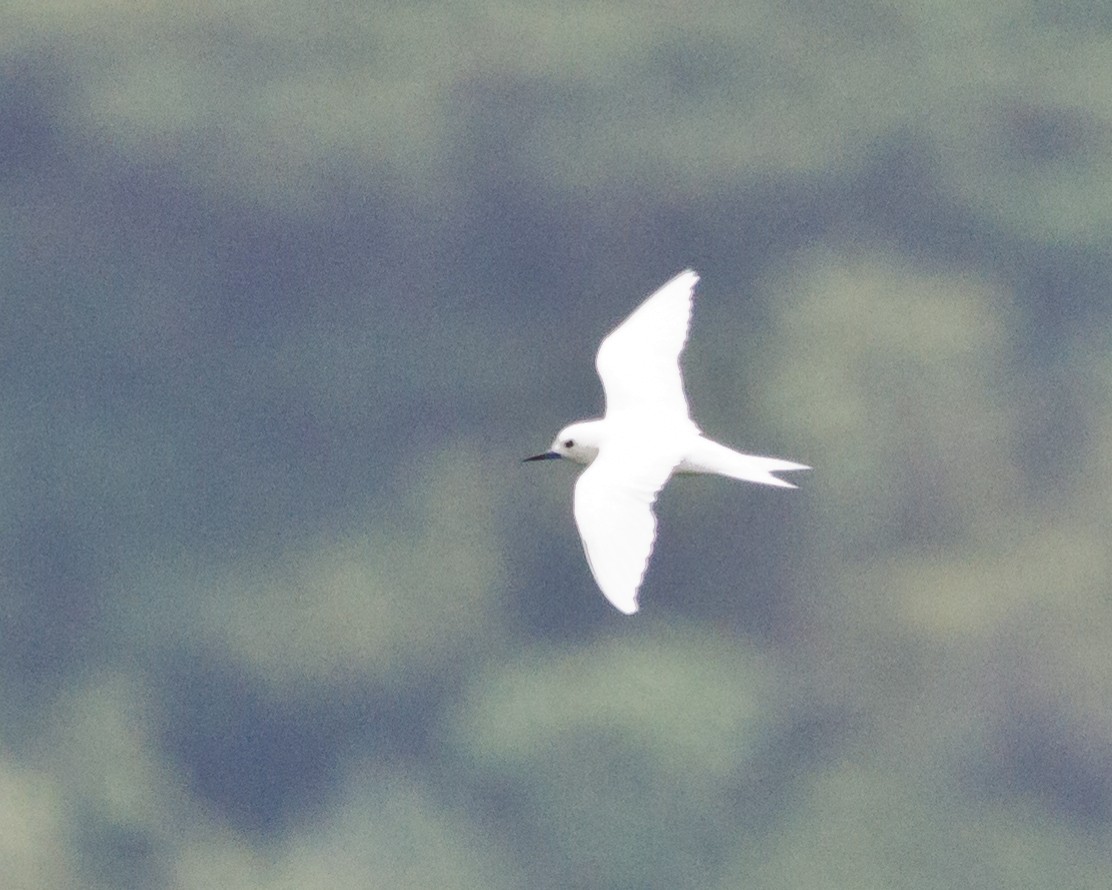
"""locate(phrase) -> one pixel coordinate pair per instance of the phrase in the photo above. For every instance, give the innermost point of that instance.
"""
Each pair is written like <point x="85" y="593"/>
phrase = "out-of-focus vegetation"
<point x="287" y="291"/>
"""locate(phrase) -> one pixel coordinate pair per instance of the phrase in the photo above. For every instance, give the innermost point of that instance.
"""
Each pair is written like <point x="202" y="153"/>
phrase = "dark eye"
<point x="569" y="443"/>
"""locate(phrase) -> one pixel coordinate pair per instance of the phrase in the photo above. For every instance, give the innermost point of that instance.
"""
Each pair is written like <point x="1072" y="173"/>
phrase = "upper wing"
<point x="639" y="361"/>
<point x="613" y="509"/>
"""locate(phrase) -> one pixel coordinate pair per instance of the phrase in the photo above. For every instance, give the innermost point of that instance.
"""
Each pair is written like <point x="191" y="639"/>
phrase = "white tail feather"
<point x="706" y="456"/>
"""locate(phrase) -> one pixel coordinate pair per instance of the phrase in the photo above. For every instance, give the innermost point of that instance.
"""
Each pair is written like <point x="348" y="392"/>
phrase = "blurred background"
<point x="288" y="290"/>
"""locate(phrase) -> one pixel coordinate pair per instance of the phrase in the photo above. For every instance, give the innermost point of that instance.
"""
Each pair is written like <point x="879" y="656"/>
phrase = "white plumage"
<point x="645" y="436"/>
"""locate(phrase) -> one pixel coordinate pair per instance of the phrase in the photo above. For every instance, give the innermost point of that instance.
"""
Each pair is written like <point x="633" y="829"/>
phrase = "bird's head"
<point x="578" y="442"/>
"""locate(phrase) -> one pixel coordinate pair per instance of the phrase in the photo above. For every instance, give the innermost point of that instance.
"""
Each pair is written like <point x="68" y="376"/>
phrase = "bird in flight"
<point x="645" y="436"/>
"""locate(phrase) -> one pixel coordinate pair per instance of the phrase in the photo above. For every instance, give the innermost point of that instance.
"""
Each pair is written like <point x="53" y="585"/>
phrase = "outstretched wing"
<point x="639" y="361"/>
<point x="614" y="513"/>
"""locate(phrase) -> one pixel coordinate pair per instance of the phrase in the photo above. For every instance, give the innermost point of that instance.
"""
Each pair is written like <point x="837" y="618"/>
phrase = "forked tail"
<point x="706" y="456"/>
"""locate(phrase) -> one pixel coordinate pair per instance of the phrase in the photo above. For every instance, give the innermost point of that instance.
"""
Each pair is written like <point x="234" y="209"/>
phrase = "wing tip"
<point x="689" y="276"/>
<point x="625" y="601"/>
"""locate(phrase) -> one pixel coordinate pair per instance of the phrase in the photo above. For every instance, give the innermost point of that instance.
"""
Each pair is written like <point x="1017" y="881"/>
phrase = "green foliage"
<point x="285" y="293"/>
<point x="627" y="757"/>
<point x="362" y="608"/>
<point x="899" y="379"/>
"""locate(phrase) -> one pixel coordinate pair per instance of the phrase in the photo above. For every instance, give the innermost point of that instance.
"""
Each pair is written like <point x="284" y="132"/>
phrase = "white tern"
<point x="646" y="435"/>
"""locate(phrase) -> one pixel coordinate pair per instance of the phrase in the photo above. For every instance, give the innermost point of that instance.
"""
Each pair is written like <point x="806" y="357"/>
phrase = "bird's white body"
<point x="645" y="436"/>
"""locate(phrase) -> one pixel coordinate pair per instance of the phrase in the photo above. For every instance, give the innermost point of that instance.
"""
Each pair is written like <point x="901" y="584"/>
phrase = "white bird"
<point x="646" y="435"/>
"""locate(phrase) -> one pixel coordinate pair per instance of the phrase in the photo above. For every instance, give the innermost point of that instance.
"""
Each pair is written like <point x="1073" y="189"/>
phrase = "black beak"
<point x="548" y="455"/>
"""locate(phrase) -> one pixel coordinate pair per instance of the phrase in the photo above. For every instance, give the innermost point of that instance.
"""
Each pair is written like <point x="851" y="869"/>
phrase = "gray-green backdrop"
<point x="288" y="289"/>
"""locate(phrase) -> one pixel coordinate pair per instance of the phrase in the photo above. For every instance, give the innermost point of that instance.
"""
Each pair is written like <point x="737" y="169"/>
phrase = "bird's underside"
<point x="645" y="436"/>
